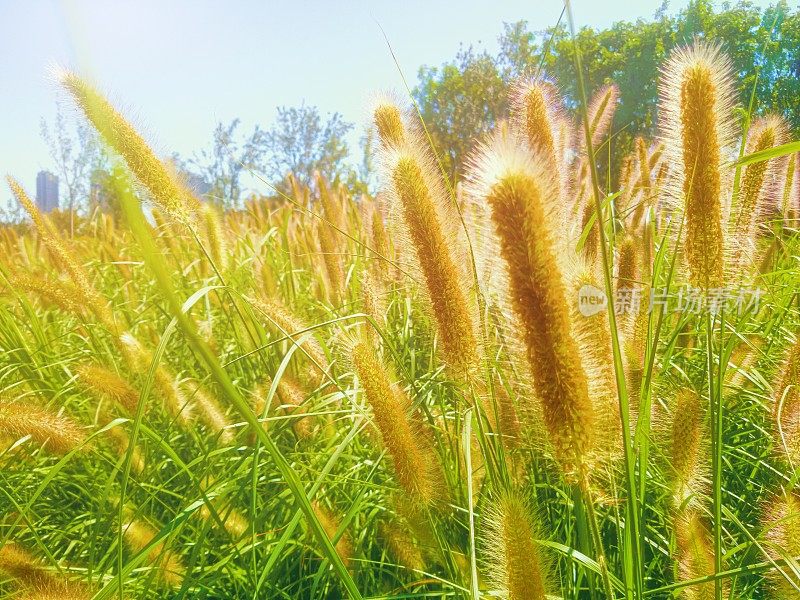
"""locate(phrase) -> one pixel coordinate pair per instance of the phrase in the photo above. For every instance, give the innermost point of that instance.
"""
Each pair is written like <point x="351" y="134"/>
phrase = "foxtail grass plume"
<point x="401" y="546"/>
<point x="591" y="243"/>
<point x="138" y="359"/>
<point x="514" y="562"/>
<point x="35" y="581"/>
<point x="695" y="555"/>
<point x="593" y="335"/>
<point x="58" y="591"/>
<point x="63" y="256"/>
<point x="172" y="396"/>
<point x="108" y="384"/>
<point x="764" y="134"/>
<point x="232" y="520"/>
<point x="166" y="188"/>
<point x="60" y="294"/>
<point x="422" y="204"/>
<point x="169" y="566"/>
<point x="415" y="465"/>
<point x="756" y="188"/>
<point x="644" y="166"/>
<point x="536" y="113"/>
<point x="331" y="525"/>
<point x="508" y="422"/>
<point x="786" y="407"/>
<point x="696" y="101"/>
<point x="789" y="190"/>
<point x="23" y="567"/>
<point x="389" y="122"/>
<point x="332" y="260"/>
<point x="209" y="411"/>
<point x="627" y="178"/>
<point x="602" y="108"/>
<point x="331" y="203"/>
<point x="59" y="434"/>
<point x="289" y="325"/>
<point x="686" y="447"/>
<point x="522" y="197"/>
<point x="291" y="398"/>
<point x="300" y="193"/>
<point x="380" y="240"/>
<point x="121" y="442"/>
<point x="782" y="534"/>
<point x="628" y="264"/>
<point x="214" y="235"/>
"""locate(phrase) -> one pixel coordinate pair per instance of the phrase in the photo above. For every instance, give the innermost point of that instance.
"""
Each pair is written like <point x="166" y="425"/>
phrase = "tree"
<point x="301" y="143"/>
<point x="459" y="103"/>
<point x="222" y="166"/>
<point x="462" y="98"/>
<point x="77" y="153"/>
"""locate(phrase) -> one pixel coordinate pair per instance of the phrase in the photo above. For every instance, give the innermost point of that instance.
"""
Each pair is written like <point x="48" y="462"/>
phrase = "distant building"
<point x="46" y="191"/>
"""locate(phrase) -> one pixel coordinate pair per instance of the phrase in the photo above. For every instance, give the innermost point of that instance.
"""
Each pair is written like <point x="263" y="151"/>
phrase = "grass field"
<point x="421" y="394"/>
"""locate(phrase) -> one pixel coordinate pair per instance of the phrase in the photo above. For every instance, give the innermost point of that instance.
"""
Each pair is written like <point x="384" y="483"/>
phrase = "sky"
<point x="177" y="67"/>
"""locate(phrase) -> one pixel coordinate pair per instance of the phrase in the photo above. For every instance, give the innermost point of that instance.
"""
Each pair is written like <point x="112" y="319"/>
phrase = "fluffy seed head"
<point x="695" y="555"/>
<point x="593" y="335"/>
<point x="443" y="278"/>
<point x="628" y="264"/>
<point x="56" y="293"/>
<point x="782" y="532"/>
<point x="22" y="566"/>
<point x="59" y="433"/>
<point x="601" y="112"/>
<point x="786" y="407"/>
<point x="209" y="411"/>
<point x="286" y="323"/>
<point x="57" y="591"/>
<point x="107" y="383"/>
<point x="389" y="121"/>
<point x="168" y="191"/>
<point x="62" y="255"/>
<point x="291" y="397"/>
<point x="401" y="546"/>
<point x="329" y="522"/>
<point x="330" y="256"/>
<point x="138" y="534"/>
<point x="214" y="235"/>
<point x="789" y="190"/>
<point x="514" y="562"/>
<point x="685" y="446"/>
<point x="536" y="112"/>
<point x="756" y="188"/>
<point x="696" y="103"/>
<point x="412" y="457"/>
<point x="519" y="193"/>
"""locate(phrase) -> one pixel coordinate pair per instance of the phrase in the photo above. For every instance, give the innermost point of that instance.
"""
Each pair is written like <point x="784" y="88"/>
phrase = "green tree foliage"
<point x="221" y="167"/>
<point x="300" y="142"/>
<point x="461" y="99"/>
<point x="465" y="97"/>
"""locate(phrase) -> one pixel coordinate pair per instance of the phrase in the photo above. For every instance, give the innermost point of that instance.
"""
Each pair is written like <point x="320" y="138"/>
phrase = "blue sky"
<point x="176" y="67"/>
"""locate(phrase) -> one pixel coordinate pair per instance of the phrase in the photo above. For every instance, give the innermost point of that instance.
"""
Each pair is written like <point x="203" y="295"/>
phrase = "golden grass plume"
<point x="167" y="190"/>
<point x="514" y="563"/>
<point x="58" y="433"/>
<point x="696" y="102"/>
<point x="521" y="194"/>
<point x="415" y="465"/>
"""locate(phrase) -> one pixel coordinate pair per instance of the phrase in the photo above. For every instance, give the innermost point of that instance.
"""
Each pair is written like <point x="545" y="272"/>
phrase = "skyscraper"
<point x="46" y="191"/>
